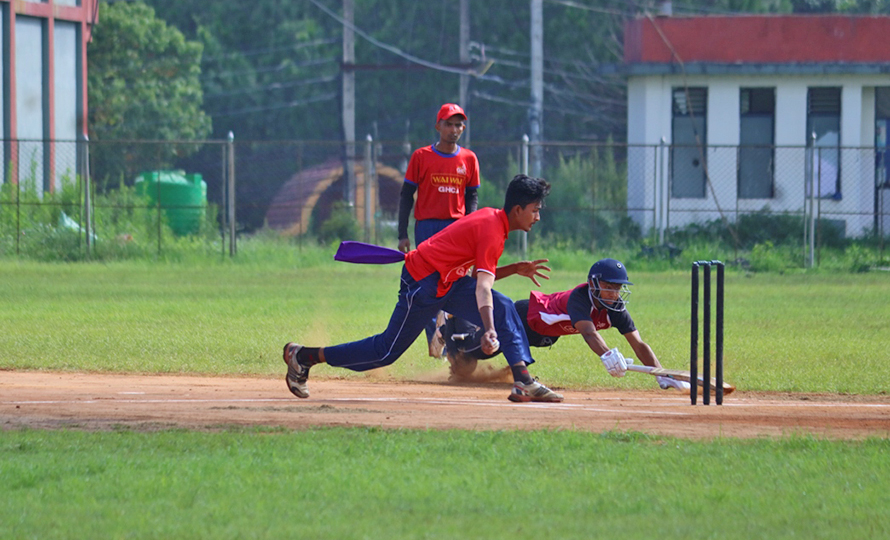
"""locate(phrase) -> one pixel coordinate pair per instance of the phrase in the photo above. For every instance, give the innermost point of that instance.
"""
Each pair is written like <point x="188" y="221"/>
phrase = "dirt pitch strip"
<point x="48" y="400"/>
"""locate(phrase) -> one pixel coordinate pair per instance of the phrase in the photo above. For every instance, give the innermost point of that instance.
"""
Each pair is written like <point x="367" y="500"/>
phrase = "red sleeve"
<point x="488" y="251"/>
<point x="473" y="176"/>
<point x="414" y="173"/>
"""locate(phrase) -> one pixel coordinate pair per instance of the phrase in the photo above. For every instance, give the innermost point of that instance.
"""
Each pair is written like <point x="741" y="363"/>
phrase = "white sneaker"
<point x="523" y="393"/>
<point x="297" y="373"/>
<point x="667" y="382"/>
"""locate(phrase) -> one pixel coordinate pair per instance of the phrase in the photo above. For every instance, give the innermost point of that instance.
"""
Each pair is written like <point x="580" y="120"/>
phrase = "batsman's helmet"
<point x="610" y="271"/>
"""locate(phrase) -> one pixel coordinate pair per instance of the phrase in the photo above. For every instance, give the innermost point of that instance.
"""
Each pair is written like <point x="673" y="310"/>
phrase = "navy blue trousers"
<point x="416" y="305"/>
<point x="423" y="229"/>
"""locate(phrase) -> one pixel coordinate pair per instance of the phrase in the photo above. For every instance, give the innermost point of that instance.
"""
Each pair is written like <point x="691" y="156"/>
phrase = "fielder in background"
<point x="446" y="180"/>
<point x="587" y="309"/>
<point x="453" y="271"/>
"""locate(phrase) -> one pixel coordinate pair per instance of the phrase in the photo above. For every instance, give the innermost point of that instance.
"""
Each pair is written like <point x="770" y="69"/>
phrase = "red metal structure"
<point x="43" y="19"/>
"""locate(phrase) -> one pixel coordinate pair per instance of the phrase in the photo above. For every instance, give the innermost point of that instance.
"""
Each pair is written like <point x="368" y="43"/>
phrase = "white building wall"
<point x="723" y="111"/>
<point x="644" y="161"/>
<point x="791" y="109"/>
<point x="649" y="119"/>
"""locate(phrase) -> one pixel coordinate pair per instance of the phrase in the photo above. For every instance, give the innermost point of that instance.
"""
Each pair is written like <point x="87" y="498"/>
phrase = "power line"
<point x="588" y="8"/>
<point x="274" y="86"/>
<point x="288" y="105"/>
<point x="257" y="52"/>
<point x="394" y="50"/>
<point x="587" y="114"/>
<point x="271" y="69"/>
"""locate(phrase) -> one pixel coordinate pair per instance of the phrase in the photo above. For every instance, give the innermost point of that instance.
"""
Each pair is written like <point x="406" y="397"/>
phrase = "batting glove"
<point x="615" y="362"/>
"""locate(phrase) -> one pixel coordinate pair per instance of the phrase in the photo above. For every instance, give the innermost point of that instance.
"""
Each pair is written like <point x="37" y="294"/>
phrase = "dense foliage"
<point x="143" y="85"/>
<point x="271" y="69"/>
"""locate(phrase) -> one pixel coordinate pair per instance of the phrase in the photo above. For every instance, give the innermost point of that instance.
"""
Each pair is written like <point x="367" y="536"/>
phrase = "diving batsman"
<point x="587" y="309"/>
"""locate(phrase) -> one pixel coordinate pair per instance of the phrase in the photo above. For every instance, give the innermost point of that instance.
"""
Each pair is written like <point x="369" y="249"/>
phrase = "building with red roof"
<point x="722" y="110"/>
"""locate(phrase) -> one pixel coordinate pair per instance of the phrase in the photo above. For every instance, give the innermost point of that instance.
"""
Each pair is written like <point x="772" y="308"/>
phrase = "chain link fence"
<point x="73" y="200"/>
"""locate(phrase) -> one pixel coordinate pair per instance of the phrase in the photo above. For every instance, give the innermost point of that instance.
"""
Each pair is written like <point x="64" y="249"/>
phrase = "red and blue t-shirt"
<point x="555" y="314"/>
<point x="442" y="180"/>
<point x="475" y="240"/>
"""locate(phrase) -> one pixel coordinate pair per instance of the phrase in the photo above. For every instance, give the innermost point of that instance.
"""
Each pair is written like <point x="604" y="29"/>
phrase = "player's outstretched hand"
<point x="533" y="269"/>
<point x="615" y="362"/>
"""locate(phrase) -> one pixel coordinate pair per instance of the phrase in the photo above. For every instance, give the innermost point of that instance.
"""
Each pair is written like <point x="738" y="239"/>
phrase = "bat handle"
<point x="639" y="369"/>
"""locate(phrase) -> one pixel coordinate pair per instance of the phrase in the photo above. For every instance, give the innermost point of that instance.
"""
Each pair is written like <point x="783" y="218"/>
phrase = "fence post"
<point x="87" y="199"/>
<point x="17" y="188"/>
<point x="369" y="172"/>
<point x="661" y="191"/>
<point x="223" y="204"/>
<point x="230" y="203"/>
<point x="810" y="205"/>
<point x="523" y="236"/>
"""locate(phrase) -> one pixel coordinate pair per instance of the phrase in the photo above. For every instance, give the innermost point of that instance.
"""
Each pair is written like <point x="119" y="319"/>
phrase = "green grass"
<point x="793" y="332"/>
<point x="368" y="483"/>
<point x="802" y="333"/>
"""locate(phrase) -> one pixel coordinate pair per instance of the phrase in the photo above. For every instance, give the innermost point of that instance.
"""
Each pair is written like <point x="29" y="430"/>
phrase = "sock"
<point x="520" y="374"/>
<point x="308" y="356"/>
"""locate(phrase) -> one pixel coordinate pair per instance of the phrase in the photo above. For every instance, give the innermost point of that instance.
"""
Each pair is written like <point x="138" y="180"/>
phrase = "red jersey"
<point x="555" y="314"/>
<point x="475" y="240"/>
<point x="442" y="180"/>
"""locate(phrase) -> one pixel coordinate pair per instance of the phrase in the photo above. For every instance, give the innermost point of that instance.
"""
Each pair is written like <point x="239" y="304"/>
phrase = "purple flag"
<point x="361" y="253"/>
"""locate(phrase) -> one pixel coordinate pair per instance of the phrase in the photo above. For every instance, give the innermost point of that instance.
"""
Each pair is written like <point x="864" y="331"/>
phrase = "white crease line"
<point x="112" y="400"/>
<point x="533" y="405"/>
<point x="433" y="401"/>
<point x="440" y="401"/>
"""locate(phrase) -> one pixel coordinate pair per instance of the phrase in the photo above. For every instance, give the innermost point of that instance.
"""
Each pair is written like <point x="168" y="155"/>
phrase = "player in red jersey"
<point x="453" y="271"/>
<point x="445" y="178"/>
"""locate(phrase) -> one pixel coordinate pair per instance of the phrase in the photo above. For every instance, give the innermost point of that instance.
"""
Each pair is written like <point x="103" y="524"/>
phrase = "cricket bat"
<point x="680" y="375"/>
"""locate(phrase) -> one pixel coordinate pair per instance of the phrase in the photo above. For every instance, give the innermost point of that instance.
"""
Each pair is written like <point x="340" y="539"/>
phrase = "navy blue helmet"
<point x="609" y="271"/>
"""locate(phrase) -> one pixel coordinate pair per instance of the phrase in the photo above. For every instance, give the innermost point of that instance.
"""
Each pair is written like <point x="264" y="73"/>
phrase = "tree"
<point x="270" y="68"/>
<point x="143" y="84"/>
<point x="868" y="7"/>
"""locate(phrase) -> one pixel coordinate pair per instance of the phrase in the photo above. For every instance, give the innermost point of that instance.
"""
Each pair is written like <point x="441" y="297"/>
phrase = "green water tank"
<point x="182" y="197"/>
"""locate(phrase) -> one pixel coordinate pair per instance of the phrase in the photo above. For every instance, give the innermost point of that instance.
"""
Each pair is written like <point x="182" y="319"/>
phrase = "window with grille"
<point x="688" y="142"/>
<point x="824" y="122"/>
<point x="882" y="126"/>
<point x="756" y="139"/>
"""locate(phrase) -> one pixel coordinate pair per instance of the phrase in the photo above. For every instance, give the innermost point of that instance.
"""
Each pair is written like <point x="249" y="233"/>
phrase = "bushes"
<point x="342" y="225"/>
<point x="50" y="226"/>
<point x="587" y="207"/>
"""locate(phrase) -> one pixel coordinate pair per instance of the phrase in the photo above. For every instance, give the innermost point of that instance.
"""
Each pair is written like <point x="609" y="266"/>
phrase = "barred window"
<point x="688" y="141"/>
<point x="824" y="122"/>
<point x="756" y="143"/>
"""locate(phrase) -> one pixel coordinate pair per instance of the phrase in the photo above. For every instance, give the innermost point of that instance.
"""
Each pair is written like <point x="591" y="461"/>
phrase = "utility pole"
<point x="464" y="44"/>
<point x="536" y="112"/>
<point x="348" y="89"/>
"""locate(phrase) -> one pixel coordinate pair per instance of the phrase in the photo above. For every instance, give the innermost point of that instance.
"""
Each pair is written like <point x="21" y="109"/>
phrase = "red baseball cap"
<point x="448" y="110"/>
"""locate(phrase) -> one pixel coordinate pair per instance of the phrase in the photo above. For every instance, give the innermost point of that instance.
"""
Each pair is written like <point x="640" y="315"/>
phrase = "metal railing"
<point x="59" y="191"/>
